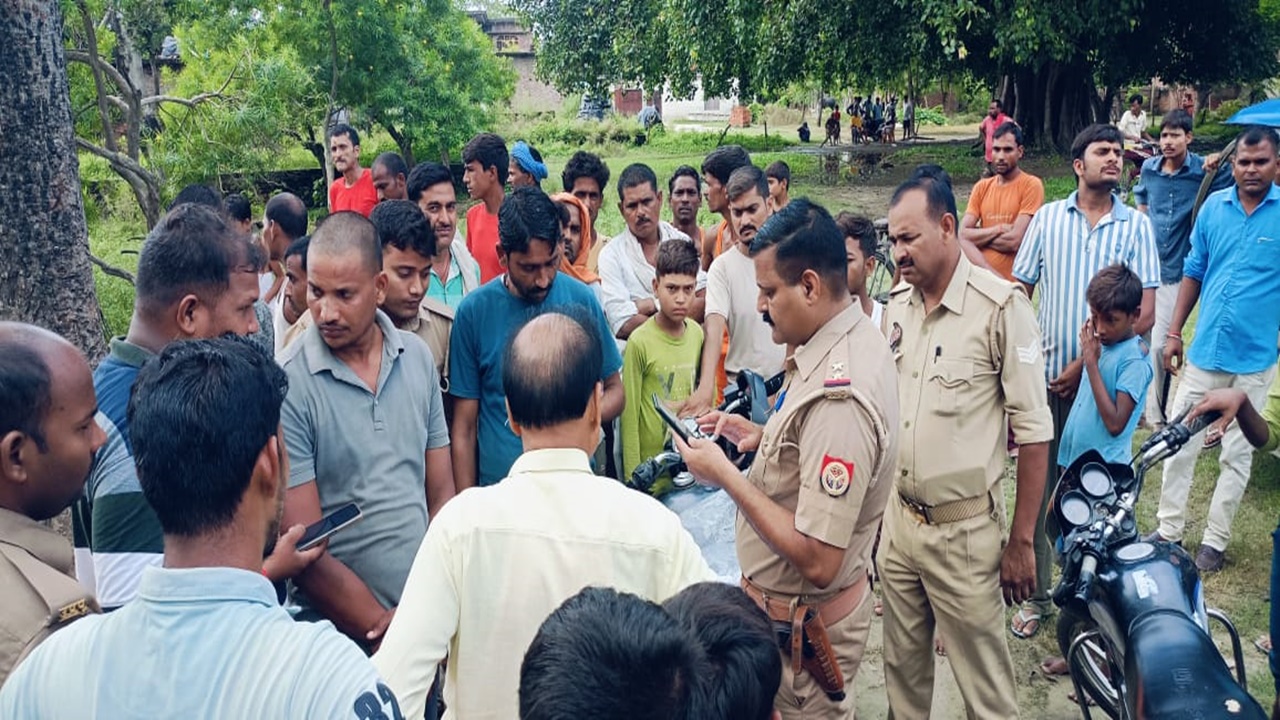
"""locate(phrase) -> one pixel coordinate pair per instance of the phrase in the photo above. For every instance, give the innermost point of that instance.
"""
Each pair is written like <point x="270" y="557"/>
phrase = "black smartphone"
<point x="670" y="419"/>
<point x="328" y="525"/>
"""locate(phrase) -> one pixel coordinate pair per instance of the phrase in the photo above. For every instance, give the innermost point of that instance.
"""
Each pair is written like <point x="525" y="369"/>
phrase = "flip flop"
<point x="1212" y="438"/>
<point x="1025" y="617"/>
<point x="1263" y="643"/>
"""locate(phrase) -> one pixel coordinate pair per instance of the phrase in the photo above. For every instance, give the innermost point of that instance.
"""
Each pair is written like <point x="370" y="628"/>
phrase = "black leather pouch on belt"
<point x="805" y="641"/>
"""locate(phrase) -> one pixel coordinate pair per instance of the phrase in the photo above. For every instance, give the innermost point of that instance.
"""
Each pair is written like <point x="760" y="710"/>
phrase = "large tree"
<point x="45" y="274"/>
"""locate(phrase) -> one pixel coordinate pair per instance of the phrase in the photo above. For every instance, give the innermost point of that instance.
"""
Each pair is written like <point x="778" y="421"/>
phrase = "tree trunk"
<point x="1053" y="103"/>
<point x="45" y="275"/>
<point x="402" y="142"/>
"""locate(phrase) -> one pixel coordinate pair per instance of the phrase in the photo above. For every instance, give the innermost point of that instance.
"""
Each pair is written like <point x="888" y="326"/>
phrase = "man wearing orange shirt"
<point x="1001" y="206"/>
<point x="716" y="169"/>
<point x="486" y="163"/>
<point x="353" y="188"/>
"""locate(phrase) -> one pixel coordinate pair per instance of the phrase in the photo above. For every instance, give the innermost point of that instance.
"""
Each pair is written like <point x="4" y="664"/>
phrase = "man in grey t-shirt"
<point x="363" y="423"/>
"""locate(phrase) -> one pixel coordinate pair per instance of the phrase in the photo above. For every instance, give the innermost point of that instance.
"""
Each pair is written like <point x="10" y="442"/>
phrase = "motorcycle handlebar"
<point x="1088" y="571"/>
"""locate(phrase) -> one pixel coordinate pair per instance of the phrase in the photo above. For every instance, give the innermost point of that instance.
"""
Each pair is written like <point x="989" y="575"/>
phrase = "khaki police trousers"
<point x="945" y="577"/>
<point x="801" y="698"/>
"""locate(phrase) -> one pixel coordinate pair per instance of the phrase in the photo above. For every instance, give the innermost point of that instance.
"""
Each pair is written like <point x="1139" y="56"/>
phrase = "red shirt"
<point x="482" y="241"/>
<point x="360" y="197"/>
<point x="988" y="128"/>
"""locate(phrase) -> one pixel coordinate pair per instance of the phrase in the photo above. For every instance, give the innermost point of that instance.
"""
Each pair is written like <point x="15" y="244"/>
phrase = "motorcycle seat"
<point x="1175" y="671"/>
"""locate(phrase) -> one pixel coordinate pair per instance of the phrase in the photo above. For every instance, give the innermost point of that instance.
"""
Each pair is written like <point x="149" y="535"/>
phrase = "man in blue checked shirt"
<point x="1067" y="243"/>
<point x="1234" y="267"/>
<point x="1167" y="194"/>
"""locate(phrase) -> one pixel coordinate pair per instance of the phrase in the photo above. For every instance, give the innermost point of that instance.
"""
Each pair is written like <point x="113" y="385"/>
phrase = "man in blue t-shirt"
<point x="529" y="245"/>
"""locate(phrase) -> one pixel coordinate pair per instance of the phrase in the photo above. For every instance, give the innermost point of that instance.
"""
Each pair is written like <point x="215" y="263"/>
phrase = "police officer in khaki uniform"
<point x="812" y="500"/>
<point x="968" y="351"/>
<point x="47" y="440"/>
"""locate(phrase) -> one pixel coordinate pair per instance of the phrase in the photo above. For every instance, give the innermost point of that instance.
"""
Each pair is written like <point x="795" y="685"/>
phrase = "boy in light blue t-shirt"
<point x="1116" y="375"/>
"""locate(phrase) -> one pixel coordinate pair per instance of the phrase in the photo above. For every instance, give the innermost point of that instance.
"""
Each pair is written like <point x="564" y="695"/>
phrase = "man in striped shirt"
<point x="1067" y="243"/>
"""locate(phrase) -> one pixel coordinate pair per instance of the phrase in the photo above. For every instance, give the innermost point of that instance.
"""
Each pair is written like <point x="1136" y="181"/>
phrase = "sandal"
<point x="1263" y="643"/>
<point x="1212" y="438"/>
<point x="1026" y="623"/>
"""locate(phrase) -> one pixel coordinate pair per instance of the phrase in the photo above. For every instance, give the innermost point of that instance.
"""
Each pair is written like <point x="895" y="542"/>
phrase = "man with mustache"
<point x="1066" y="244"/>
<point x="454" y="273"/>
<point x="1001" y="207"/>
<point x="353" y="188"/>
<point x="731" y="297"/>
<point x="364" y="423"/>
<point x="1233" y="271"/>
<point x="627" y="262"/>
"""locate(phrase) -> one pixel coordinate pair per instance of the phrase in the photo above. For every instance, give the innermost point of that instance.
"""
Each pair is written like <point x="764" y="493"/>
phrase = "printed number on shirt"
<point x="370" y="707"/>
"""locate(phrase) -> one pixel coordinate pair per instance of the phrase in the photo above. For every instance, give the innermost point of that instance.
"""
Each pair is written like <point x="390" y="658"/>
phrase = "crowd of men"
<point x="482" y="394"/>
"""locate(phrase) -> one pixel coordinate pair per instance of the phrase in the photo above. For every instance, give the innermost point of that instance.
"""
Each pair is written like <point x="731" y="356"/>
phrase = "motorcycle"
<point x="1134" y="628"/>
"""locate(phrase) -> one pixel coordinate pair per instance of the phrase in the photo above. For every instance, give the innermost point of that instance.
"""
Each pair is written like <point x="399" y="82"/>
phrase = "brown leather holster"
<point x="802" y="630"/>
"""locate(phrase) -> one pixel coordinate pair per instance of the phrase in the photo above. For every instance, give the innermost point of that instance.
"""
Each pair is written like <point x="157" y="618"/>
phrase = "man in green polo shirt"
<point x="363" y="423"/>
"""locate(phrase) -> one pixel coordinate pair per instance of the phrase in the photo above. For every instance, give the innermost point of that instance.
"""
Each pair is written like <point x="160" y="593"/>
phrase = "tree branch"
<point x="112" y="270"/>
<point x="121" y="162"/>
<point x="187" y="102"/>
<point x="95" y="66"/>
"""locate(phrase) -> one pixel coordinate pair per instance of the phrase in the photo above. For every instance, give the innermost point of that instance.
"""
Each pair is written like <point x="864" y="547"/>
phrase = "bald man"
<point x="47" y="441"/>
<point x="492" y="566"/>
<point x="364" y="423"/>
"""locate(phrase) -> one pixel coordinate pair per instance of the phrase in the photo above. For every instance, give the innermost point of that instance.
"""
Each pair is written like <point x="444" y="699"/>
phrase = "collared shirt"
<point x="485" y="321"/>
<point x="464" y="275"/>
<point x="1170" y="199"/>
<point x="828" y="453"/>
<point x="1061" y="253"/>
<point x="38" y="588"/>
<point x="1132" y="126"/>
<point x="117" y="534"/>
<point x="366" y="447"/>
<point x="497" y="560"/>
<point x="731" y="294"/>
<point x="626" y="276"/>
<point x="961" y="368"/>
<point x="1236" y="258"/>
<point x="432" y="324"/>
<point x="294" y="332"/>
<point x="197" y="643"/>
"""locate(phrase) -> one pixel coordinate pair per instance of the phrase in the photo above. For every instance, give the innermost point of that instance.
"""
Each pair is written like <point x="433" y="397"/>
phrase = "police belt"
<point x="947" y="512"/>
<point x="802" y="629"/>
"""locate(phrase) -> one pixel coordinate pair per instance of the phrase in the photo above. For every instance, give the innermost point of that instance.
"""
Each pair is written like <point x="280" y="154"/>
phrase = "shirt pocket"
<point x="951" y="382"/>
<point x="1264" y="256"/>
<point x="769" y="469"/>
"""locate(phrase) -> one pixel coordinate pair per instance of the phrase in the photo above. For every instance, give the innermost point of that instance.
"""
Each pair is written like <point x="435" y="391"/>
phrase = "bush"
<point x="1224" y="111"/>
<point x="930" y="116"/>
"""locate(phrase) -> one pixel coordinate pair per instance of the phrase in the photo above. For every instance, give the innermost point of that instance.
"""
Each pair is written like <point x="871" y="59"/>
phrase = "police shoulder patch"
<point x="837" y="475"/>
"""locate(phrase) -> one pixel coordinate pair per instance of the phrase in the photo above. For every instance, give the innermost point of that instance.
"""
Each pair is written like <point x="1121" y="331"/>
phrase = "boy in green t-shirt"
<point x="663" y="355"/>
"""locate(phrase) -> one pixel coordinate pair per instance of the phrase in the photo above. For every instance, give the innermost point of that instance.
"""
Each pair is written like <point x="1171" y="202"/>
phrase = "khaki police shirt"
<point x="962" y="367"/>
<point x="38" y="589"/>
<point x="828" y="452"/>
<point x="434" y="321"/>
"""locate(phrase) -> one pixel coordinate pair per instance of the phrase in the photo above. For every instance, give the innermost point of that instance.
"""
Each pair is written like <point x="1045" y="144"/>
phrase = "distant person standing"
<point x="353" y="188"/>
<point x="1001" y="207"/>
<point x="1189" y="105"/>
<point x="779" y="176"/>
<point x="485" y="175"/>
<point x="1133" y="123"/>
<point x="987" y="132"/>
<point x="526" y="168"/>
<point x="909" y="119"/>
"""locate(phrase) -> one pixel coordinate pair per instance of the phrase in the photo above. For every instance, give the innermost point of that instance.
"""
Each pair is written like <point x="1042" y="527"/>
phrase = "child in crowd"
<point x="663" y="355"/>
<point x="860" y="250"/>
<point x="1116" y="374"/>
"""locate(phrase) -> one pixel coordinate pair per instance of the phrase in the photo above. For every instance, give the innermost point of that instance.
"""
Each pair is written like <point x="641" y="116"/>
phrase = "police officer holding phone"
<point x="812" y="500"/>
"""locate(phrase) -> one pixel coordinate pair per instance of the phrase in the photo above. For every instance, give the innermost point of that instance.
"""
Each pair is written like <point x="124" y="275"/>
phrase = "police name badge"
<point x="837" y="475"/>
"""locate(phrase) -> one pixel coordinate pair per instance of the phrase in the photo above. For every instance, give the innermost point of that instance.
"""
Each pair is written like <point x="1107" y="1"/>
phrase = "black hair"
<point x="345" y="129"/>
<point x="1257" y="135"/>
<point x="25" y="388"/>
<point x="677" y="257"/>
<point x="426" y="175"/>
<point x="237" y="207"/>
<point x="348" y="232"/>
<point x="198" y="195"/>
<point x="562" y="212"/>
<point x="684" y="171"/>
<point x="721" y="162"/>
<point x="491" y="152"/>
<point x="299" y="247"/>
<point x="998" y="102"/>
<point x="199" y="415"/>
<point x="584" y="164"/>
<point x="1135" y="98"/>
<point x="932" y="171"/>
<point x="1009" y="128"/>
<point x="191" y="250"/>
<point x="393" y="163"/>
<point x="525" y="215"/>
<point x="780" y="171"/>
<point x="400" y="224"/>
<point x="743" y="669"/>
<point x="806" y="238"/>
<point x="744" y="179"/>
<point x="551" y="379"/>
<point x="1176" y="119"/>
<point x="637" y="174"/>
<point x="1115" y="287"/>
<point x="607" y="655"/>
<point x="288" y="211"/>
<point x="939" y="200"/>
<point x="859" y="228"/>
<point x="1098" y="132"/>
